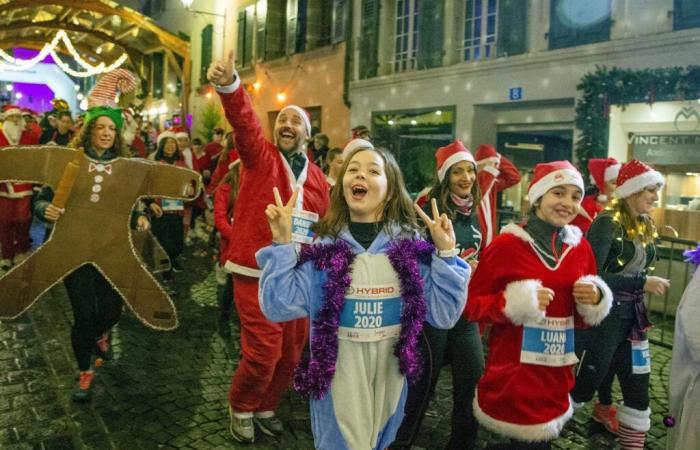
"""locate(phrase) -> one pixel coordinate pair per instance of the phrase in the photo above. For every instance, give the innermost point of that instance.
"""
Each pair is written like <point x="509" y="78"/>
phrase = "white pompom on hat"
<point x="449" y="155"/>
<point x="550" y="175"/>
<point x="304" y="115"/>
<point x="635" y="176"/>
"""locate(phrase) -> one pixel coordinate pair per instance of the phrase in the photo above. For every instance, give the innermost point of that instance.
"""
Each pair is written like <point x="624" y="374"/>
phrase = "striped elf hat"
<point x="102" y="101"/>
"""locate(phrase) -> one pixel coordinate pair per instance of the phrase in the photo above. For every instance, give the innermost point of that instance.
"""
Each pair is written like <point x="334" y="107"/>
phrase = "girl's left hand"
<point x="586" y="293"/>
<point x="440" y="227"/>
<point x="142" y="223"/>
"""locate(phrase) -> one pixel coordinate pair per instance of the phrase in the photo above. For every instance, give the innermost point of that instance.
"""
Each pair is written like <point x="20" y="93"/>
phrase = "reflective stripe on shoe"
<point x="242" y="429"/>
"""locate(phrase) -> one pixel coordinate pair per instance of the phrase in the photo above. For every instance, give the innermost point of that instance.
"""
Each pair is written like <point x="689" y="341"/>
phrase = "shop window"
<point x="573" y="22"/>
<point x="406" y="35"/>
<point x="368" y="39"/>
<point x="246" y="28"/>
<point x="480" y="29"/>
<point x="207" y="35"/>
<point x="157" y="72"/>
<point x="512" y="27"/>
<point x="413" y="136"/>
<point x="686" y="14"/>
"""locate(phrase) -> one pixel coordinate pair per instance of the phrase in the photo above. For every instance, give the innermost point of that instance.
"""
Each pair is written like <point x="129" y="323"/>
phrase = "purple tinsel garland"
<point x="312" y="378"/>
<point x="692" y="256"/>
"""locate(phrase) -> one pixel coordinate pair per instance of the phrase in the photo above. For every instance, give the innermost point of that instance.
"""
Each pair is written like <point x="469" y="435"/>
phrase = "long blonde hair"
<point x="633" y="226"/>
<point x="397" y="207"/>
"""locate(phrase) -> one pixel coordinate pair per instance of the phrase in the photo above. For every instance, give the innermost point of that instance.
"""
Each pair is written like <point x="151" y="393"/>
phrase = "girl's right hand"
<point x="279" y="216"/>
<point x="156" y="209"/>
<point x="544" y="297"/>
<point x="656" y="285"/>
<point x="52" y="213"/>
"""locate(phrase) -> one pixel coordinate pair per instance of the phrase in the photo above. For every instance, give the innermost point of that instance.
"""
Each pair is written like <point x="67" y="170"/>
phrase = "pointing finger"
<point x="433" y="205"/>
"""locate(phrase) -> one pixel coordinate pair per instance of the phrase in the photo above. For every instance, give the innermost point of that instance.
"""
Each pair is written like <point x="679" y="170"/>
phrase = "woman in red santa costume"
<point x="535" y="283"/>
<point x="270" y="350"/>
<point x="603" y="175"/>
<point x="623" y="240"/>
<point x="15" y="198"/>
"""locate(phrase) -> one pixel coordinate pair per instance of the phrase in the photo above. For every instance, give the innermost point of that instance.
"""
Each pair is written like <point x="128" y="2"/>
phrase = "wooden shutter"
<point x="512" y="27"/>
<point x="275" y="29"/>
<point x="292" y="24"/>
<point x="368" y="39"/>
<point x="340" y="20"/>
<point x="260" y="23"/>
<point x="207" y="36"/>
<point x="240" y="43"/>
<point x="430" y="32"/>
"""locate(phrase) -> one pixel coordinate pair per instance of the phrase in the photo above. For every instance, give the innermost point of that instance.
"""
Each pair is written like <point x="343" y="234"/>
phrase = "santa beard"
<point x="129" y="132"/>
<point x="13" y="132"/>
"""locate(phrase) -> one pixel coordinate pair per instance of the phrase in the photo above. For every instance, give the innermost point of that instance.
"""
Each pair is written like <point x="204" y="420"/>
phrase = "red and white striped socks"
<point x="634" y="425"/>
<point x="630" y="439"/>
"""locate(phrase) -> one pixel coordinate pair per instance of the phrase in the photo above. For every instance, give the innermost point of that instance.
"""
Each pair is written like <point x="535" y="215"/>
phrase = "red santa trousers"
<point x="270" y="352"/>
<point x="15" y="221"/>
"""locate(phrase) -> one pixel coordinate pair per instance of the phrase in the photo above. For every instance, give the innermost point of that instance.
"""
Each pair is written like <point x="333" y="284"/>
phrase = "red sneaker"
<point x="607" y="416"/>
<point x="83" y="392"/>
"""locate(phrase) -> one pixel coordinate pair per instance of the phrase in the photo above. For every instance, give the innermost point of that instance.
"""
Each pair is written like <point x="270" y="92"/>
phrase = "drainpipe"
<point x="347" y="70"/>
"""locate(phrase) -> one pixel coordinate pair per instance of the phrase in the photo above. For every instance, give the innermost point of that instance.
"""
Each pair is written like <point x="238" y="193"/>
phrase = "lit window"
<point x="480" y="29"/>
<point x="406" y="40"/>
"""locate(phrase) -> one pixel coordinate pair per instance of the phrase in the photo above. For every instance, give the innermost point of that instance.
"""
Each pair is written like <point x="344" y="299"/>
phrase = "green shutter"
<point x="512" y="27"/>
<point x="292" y="24"/>
<point x="430" y="31"/>
<point x="260" y="22"/>
<point x="240" y="43"/>
<point x="368" y="39"/>
<point x="247" y="55"/>
<point x="275" y="29"/>
<point x="207" y="36"/>
<point x="340" y="20"/>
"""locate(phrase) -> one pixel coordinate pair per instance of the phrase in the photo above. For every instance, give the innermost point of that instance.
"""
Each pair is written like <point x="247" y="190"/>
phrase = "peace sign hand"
<point x="279" y="216"/>
<point x="440" y="227"/>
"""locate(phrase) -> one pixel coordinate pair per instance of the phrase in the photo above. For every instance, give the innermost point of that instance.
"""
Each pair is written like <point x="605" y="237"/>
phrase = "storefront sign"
<point x="666" y="149"/>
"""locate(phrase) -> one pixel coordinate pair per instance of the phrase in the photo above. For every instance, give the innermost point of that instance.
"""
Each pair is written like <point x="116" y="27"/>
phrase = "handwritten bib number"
<point x="549" y="342"/>
<point x="641" y="362"/>
<point x="371" y="313"/>
<point x="302" y="221"/>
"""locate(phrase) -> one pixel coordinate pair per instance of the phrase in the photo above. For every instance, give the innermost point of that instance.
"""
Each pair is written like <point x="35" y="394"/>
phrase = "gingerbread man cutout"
<point x="95" y="228"/>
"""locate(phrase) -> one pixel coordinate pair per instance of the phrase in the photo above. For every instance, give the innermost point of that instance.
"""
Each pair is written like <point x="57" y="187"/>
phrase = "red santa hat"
<point x="179" y="132"/>
<point x="10" y="110"/>
<point x="601" y="171"/>
<point x="355" y="144"/>
<point x="165" y="134"/>
<point x="550" y="175"/>
<point x="449" y="155"/>
<point x="28" y="112"/>
<point x="635" y="176"/>
<point x="303" y="113"/>
<point x="486" y="153"/>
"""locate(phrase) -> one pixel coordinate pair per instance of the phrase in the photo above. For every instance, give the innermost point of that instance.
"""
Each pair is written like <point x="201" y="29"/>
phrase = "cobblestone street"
<point x="168" y="390"/>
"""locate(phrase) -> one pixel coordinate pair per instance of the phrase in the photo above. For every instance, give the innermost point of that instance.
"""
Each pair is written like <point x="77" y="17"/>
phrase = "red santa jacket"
<point x="262" y="168"/>
<point x="524" y="392"/>
<point x="223" y="223"/>
<point x="589" y="209"/>
<point x="491" y="182"/>
<point x="17" y="190"/>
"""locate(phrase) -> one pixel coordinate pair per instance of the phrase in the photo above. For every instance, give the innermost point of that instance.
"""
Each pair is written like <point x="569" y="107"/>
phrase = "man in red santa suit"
<point x="270" y="351"/>
<point x="603" y="175"/>
<point x="15" y="198"/>
<point x="494" y="174"/>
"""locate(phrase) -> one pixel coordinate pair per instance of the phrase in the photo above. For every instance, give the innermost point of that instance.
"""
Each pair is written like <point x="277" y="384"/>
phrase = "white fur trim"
<point x="533" y="433"/>
<point x="232" y="267"/>
<point x="641" y="181"/>
<point x="611" y="172"/>
<point x="521" y="301"/>
<point x="601" y="198"/>
<point x="231" y="88"/>
<point x="496" y="159"/>
<point x="594" y="314"/>
<point x="492" y="170"/>
<point x="304" y="115"/>
<point x="572" y="235"/>
<point x="517" y="230"/>
<point x="11" y="111"/>
<point x="553" y="179"/>
<point x="452" y="160"/>
<point x="180" y="134"/>
<point x="634" y="418"/>
<point x="355" y="144"/>
<point x="163" y="135"/>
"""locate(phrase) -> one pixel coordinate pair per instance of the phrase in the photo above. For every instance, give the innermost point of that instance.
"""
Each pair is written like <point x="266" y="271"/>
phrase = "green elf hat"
<point x="102" y="101"/>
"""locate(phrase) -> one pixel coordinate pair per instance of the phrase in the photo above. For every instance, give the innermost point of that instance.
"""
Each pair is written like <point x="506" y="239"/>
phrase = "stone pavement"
<point x="168" y="389"/>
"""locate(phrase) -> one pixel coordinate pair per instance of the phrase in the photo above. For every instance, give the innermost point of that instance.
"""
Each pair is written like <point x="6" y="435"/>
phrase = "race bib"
<point x="371" y="313"/>
<point x="641" y="363"/>
<point x="168" y="204"/>
<point x="549" y="342"/>
<point x="301" y="226"/>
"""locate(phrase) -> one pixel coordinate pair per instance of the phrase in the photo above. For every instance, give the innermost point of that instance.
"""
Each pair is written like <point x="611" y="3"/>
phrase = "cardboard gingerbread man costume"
<point x="95" y="227"/>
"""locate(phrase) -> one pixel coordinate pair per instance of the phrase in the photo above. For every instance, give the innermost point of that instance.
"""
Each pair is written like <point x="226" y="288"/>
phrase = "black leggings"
<point x="96" y="308"/>
<point x="169" y="230"/>
<point x="605" y="351"/>
<point x="461" y="348"/>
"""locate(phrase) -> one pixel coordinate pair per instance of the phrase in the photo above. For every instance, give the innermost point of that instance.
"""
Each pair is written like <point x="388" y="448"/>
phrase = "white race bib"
<point x="549" y="342"/>
<point x="168" y="204"/>
<point x="301" y="226"/>
<point x="371" y="313"/>
<point x="641" y="363"/>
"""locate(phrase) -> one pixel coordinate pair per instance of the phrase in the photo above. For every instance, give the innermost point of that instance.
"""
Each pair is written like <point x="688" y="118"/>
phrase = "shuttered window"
<point x="275" y="29"/>
<point x="573" y="22"/>
<point x="340" y="21"/>
<point x="246" y="29"/>
<point x="512" y="27"/>
<point x="260" y="22"/>
<point x="368" y="39"/>
<point x="430" y="34"/>
<point x="207" y="37"/>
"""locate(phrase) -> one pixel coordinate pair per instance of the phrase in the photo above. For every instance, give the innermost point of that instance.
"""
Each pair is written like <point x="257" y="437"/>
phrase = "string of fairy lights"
<point x="16" y="64"/>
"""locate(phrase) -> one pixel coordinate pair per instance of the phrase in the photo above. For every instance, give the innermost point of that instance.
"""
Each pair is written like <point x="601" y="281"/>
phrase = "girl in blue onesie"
<point x="368" y="283"/>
